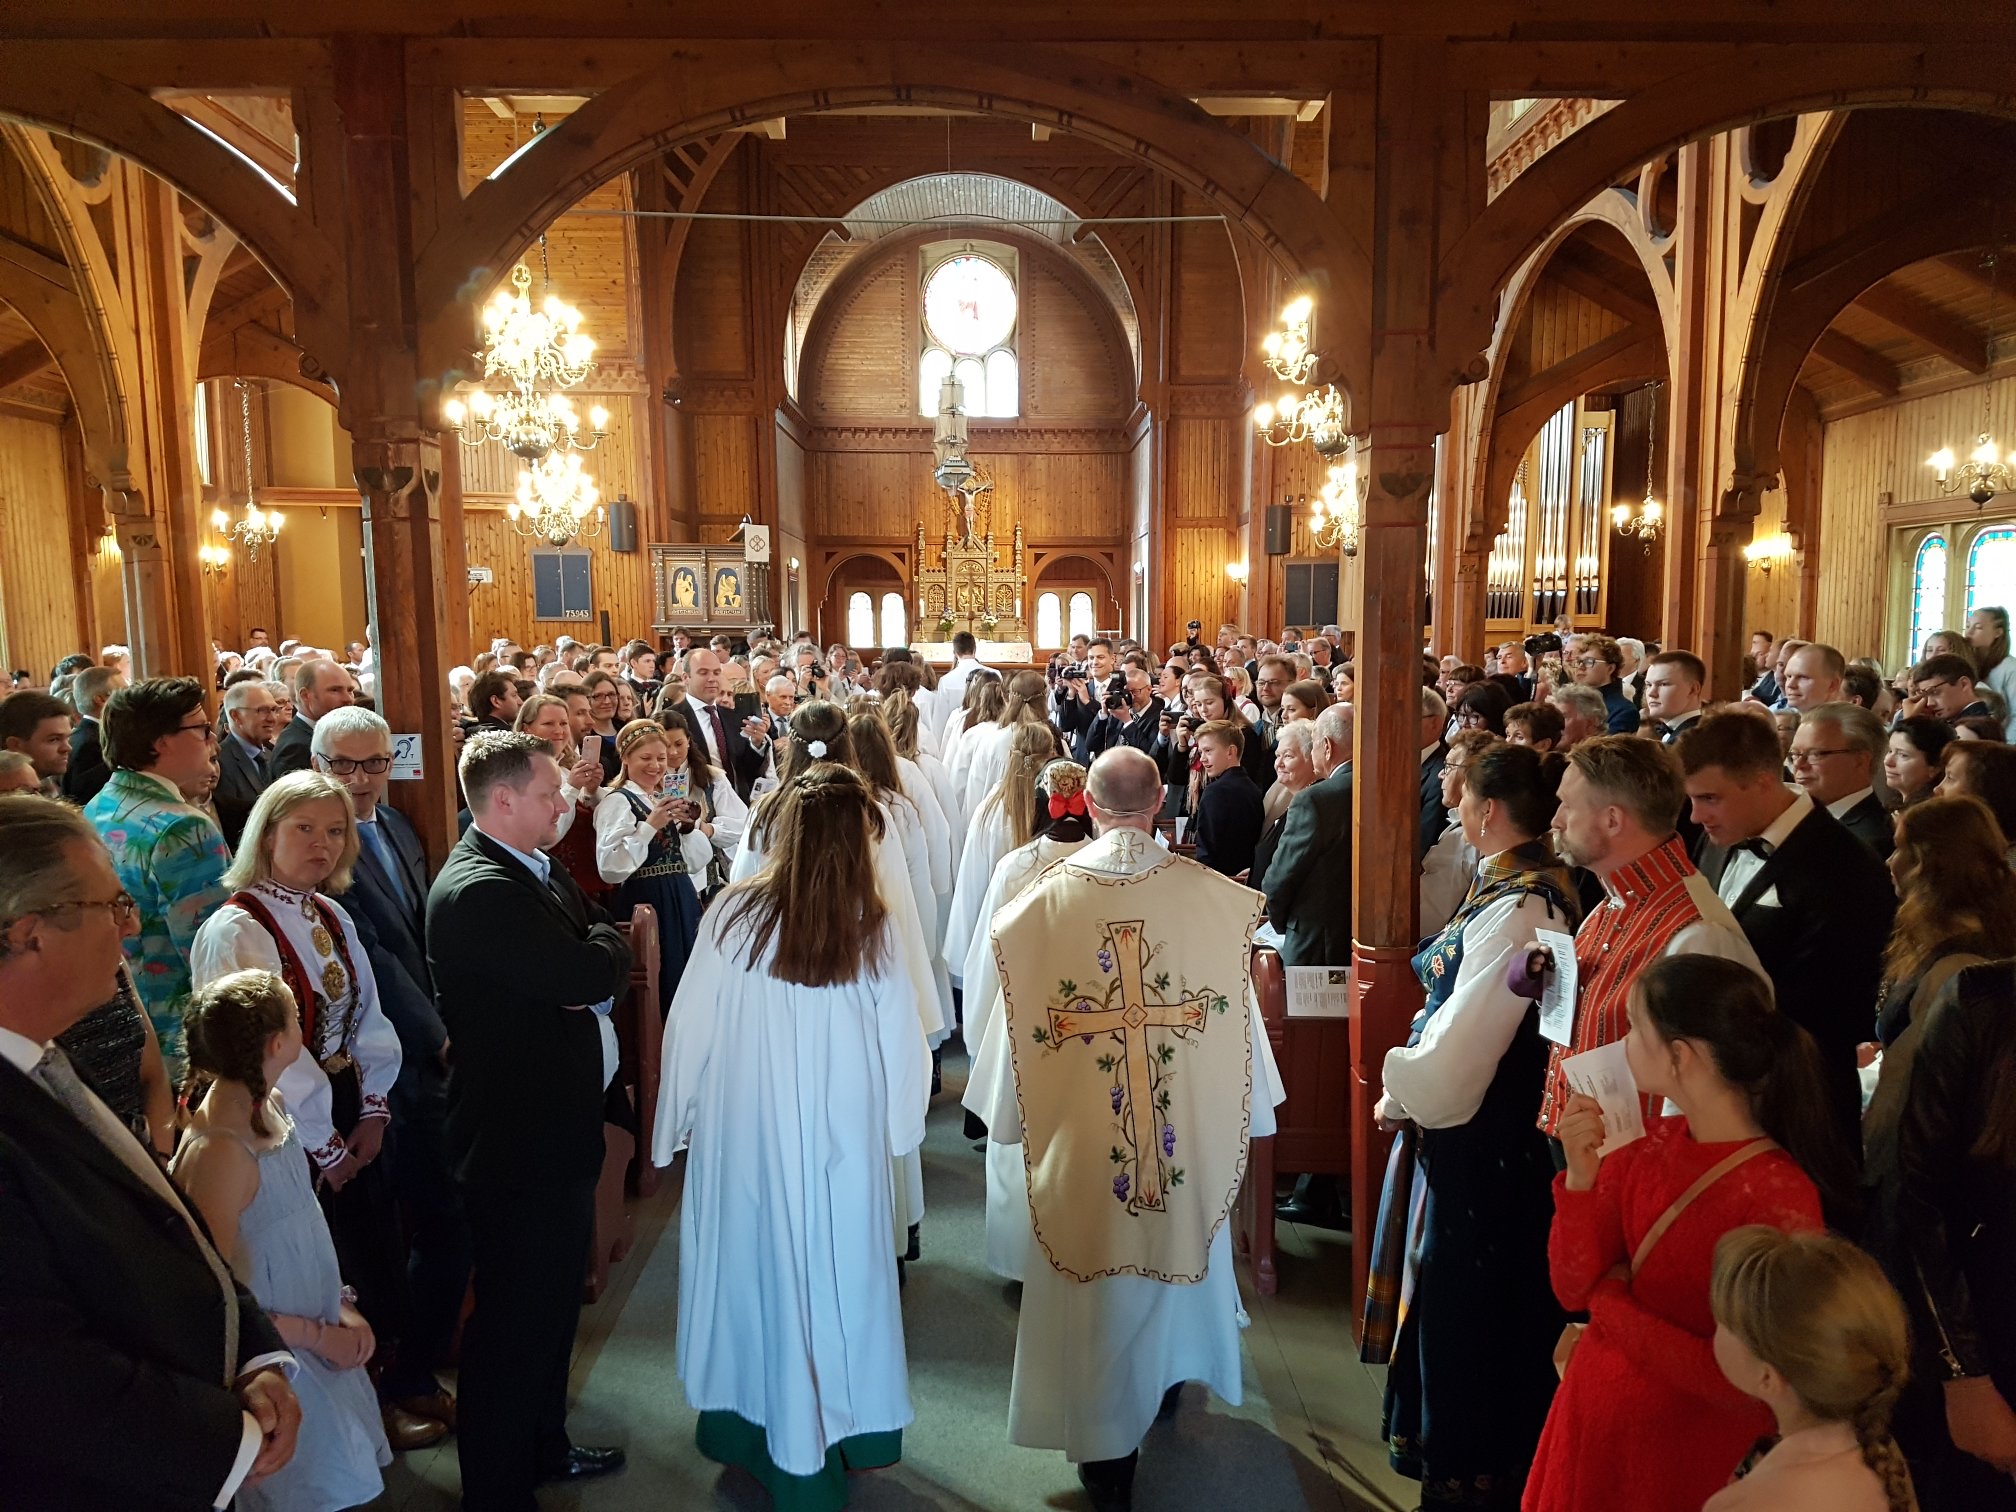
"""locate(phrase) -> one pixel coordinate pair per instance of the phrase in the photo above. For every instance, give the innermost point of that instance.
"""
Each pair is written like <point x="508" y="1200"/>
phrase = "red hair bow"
<point x="1075" y="804"/>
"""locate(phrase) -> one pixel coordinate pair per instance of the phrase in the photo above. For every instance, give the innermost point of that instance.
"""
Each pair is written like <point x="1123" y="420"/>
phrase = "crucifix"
<point x="1129" y="1021"/>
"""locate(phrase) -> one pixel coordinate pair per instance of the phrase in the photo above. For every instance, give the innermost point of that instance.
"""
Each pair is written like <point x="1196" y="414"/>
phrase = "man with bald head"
<point x="1309" y="879"/>
<point x="739" y="748"/>
<point x="1125" y="1056"/>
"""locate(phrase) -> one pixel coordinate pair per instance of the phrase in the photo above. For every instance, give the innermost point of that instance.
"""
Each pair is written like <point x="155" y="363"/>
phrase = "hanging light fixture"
<point x="1316" y="417"/>
<point x="1290" y="355"/>
<point x="1339" y="510"/>
<point x="1987" y="471"/>
<point x="1647" y="519"/>
<point x="951" y="466"/>
<point x="557" y="502"/>
<point x="536" y="352"/>
<point x="257" y="527"/>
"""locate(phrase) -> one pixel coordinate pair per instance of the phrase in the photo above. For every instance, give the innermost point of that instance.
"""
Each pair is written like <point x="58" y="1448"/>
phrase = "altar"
<point x="971" y="589"/>
<point x="996" y="654"/>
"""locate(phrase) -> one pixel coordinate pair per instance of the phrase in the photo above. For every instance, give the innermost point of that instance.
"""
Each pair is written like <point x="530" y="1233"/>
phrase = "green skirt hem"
<point x="730" y="1439"/>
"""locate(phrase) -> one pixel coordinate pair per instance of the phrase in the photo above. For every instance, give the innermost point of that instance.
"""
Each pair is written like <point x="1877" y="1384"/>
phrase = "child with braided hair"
<point x="1807" y="1324"/>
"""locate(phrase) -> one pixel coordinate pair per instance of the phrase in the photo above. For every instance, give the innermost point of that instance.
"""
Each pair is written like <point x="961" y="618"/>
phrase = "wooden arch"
<point x="44" y="90"/>
<point x="1754" y="85"/>
<point x="658" y="110"/>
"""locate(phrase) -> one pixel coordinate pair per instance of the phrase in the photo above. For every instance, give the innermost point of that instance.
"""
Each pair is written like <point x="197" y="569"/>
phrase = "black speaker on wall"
<point x="622" y="524"/>
<point x="1280" y="529"/>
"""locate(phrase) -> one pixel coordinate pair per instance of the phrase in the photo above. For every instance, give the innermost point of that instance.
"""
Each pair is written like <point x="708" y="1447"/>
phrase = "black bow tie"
<point x="1760" y="848"/>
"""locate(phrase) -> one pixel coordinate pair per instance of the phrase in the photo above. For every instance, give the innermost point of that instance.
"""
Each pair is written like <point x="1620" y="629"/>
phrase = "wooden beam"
<point x="1561" y="375"/>
<point x="1959" y="342"/>
<point x="1601" y="290"/>
<point x="1858" y="362"/>
<point x="19" y="364"/>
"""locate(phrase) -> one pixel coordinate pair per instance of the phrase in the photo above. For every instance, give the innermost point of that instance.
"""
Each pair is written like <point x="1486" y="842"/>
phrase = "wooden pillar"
<point x="1406" y="413"/>
<point x="397" y="463"/>
<point x="1461" y="517"/>
<point x="1693" y="391"/>
<point x="455" y="555"/>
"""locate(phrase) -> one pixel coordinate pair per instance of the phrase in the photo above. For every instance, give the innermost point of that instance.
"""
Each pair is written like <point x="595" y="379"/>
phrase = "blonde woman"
<point x="544" y="716"/>
<point x="1006" y="820"/>
<point x="1807" y="1325"/>
<point x="653" y="837"/>
<point x="1028" y="702"/>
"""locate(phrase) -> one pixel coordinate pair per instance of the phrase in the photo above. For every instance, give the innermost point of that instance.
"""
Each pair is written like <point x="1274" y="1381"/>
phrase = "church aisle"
<point x="1304" y="1441"/>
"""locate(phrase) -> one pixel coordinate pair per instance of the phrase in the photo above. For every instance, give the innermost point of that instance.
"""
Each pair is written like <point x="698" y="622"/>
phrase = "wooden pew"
<point x="639" y="1021"/>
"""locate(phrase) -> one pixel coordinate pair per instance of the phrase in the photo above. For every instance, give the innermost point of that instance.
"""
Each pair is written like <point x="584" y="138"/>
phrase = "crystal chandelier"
<point x="1648" y="518"/>
<point x="951" y="466"/>
<point x="1316" y="417"/>
<point x="1986" y="472"/>
<point x="1339" y="509"/>
<point x="557" y="502"/>
<point x="258" y="527"/>
<point x="1290" y="357"/>
<point x="536" y="352"/>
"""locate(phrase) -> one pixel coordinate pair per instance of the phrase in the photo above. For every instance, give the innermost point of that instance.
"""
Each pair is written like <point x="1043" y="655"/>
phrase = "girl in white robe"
<point x="795" y="1070"/>
<point x="986" y="697"/>
<point x="1006" y="820"/>
<point x="1028" y="703"/>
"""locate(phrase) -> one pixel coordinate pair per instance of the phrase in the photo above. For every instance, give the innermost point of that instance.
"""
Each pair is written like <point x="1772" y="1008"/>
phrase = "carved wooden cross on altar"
<point x="1129" y="1022"/>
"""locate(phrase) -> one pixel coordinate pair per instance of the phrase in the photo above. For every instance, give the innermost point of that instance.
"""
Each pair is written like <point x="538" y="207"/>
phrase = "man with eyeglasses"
<point x="169" y="854"/>
<point x="1596" y="662"/>
<point x="1943" y="686"/>
<point x="253" y="718"/>
<point x="388" y="902"/>
<point x="1834" y="755"/>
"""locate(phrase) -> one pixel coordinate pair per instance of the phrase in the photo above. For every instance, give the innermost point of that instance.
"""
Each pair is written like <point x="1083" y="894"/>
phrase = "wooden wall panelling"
<point x="504" y="606"/>
<point x="37" y="588"/>
<point x="711" y="308"/>
<point x="1209" y="325"/>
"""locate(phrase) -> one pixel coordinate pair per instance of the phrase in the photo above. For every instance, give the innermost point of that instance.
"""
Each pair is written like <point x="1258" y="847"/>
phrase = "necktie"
<point x="259" y="765"/>
<point x="720" y="737"/>
<point x="381" y="851"/>
<point x="54" y="1074"/>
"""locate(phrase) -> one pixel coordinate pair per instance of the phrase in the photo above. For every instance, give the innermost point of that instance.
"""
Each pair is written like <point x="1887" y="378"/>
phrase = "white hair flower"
<point x="818" y="750"/>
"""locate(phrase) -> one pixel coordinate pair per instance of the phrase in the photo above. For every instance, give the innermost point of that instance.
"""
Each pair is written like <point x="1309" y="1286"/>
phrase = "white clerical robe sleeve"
<point x="1268" y="1091"/>
<point x="1441" y="1081"/>
<point x="692" y="1026"/>
<point x="375" y="1043"/>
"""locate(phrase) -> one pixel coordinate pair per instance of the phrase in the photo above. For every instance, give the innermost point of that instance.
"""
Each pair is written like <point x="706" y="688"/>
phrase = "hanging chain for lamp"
<point x="1987" y="471"/>
<point x="256" y="527"/>
<point x="1644" y="522"/>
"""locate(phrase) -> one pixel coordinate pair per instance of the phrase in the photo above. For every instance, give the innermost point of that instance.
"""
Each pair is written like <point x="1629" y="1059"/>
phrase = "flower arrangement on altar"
<point x="945" y="626"/>
<point x="988" y="624"/>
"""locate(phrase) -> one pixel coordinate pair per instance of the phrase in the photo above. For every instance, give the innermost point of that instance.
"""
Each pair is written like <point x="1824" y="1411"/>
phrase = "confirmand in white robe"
<point x="794" y="1101"/>
<point x="938" y="853"/>
<point x="1007" y="1182"/>
<point x="988" y="839"/>
<point x="990" y="745"/>
<point x="1093" y="1358"/>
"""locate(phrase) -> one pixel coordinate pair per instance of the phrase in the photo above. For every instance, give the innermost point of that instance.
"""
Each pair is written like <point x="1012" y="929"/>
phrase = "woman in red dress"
<point x="1644" y="1418"/>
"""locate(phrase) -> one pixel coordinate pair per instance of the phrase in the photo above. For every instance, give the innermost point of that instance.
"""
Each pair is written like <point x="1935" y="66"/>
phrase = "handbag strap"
<point x="1705" y="1180"/>
<point x="1937" y="975"/>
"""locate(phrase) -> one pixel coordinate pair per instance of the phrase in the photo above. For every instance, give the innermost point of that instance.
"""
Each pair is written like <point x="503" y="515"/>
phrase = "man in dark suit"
<point x="319" y="686"/>
<point x="1132" y="723"/>
<point x="137" y="1373"/>
<point x="1814" y="902"/>
<point x="1434" y="756"/>
<point x="89" y="770"/>
<point x="739" y="748"/>
<point x="245" y="753"/>
<point x="388" y="902"/>
<point x="1836" y="753"/>
<point x="525" y="970"/>
<point x="1309" y="878"/>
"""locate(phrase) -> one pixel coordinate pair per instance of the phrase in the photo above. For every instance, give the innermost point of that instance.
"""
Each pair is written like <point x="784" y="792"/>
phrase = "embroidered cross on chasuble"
<point x="1126" y="984"/>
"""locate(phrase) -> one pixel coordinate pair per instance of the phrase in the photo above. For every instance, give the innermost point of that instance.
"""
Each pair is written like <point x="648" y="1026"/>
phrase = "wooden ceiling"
<point x="1932" y="325"/>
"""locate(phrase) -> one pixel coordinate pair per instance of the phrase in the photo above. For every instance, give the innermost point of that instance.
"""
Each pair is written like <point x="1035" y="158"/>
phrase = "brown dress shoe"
<point x="440" y="1406"/>
<point x="408" y="1430"/>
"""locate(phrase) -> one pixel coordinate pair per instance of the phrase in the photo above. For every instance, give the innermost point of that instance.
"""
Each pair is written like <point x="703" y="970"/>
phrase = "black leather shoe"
<point x="1110" y="1483"/>
<point x="583" y="1463"/>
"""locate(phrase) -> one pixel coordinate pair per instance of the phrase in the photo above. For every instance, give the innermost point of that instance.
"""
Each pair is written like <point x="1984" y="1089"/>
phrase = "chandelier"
<point x="1338" y="513"/>
<point x="1644" y="521"/>
<point x="536" y="352"/>
<point x="1290" y="357"/>
<point x="1986" y="472"/>
<point x="951" y="467"/>
<point x="557" y="502"/>
<point x="1316" y="417"/>
<point x="258" y="527"/>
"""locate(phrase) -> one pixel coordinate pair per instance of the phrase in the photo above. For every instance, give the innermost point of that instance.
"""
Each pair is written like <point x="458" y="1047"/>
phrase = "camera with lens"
<point x="1542" y="644"/>
<point x="1075" y="672"/>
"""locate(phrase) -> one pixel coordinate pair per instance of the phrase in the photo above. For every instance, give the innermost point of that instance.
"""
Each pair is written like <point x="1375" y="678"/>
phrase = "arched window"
<point x="1049" y="621"/>
<point x="1991" y="568"/>
<point x="1081" y="615"/>
<point x="894" y="630"/>
<point x="970" y="313"/>
<point x="1928" y="591"/>
<point x="860" y="620"/>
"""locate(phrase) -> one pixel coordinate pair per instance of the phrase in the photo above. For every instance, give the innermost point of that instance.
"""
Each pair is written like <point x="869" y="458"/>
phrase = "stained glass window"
<point x="1928" y="591"/>
<point x="1049" y="620"/>
<point x="894" y="631"/>
<point x="1991" y="568"/>
<point x="860" y="620"/>
<point x="969" y="329"/>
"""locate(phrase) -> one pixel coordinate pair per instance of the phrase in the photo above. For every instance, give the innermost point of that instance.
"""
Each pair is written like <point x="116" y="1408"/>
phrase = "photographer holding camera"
<point x="1082" y="694"/>
<point x="1131" y="716"/>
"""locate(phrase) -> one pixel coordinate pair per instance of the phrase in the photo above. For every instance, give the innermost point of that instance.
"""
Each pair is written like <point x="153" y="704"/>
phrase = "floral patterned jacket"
<point x="171" y="857"/>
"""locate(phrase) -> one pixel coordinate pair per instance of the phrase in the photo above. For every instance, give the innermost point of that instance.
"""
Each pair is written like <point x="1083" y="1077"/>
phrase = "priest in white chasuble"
<point x="1138" y="1070"/>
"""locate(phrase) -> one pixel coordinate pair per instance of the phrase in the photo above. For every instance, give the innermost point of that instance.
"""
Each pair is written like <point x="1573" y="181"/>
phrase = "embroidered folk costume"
<point x="1138" y="1067"/>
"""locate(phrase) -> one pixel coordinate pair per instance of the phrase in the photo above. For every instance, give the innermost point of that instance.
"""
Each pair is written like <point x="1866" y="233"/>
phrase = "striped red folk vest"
<point x="1647" y="904"/>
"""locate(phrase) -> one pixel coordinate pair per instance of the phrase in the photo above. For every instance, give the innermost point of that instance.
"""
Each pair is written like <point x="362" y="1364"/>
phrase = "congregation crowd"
<point x="269" y="1082"/>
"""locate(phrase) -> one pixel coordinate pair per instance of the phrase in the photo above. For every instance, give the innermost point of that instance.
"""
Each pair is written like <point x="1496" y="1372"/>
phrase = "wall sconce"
<point x="214" y="560"/>
<point x="1768" y="552"/>
<point x="1236" y="571"/>
<point x="1140" y="570"/>
<point x="793" y="564"/>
